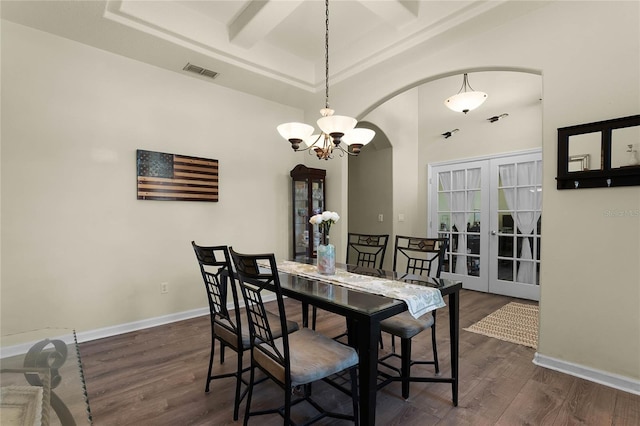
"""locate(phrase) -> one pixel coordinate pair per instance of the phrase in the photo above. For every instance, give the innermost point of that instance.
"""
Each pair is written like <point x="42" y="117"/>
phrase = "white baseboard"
<point x="101" y="333"/>
<point x="616" y="381"/>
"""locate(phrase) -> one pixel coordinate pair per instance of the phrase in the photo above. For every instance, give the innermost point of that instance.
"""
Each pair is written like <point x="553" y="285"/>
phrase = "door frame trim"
<point x="462" y="162"/>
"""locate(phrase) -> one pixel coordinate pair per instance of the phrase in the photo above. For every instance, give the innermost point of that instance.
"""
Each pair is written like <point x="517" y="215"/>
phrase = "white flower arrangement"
<point x="324" y="221"/>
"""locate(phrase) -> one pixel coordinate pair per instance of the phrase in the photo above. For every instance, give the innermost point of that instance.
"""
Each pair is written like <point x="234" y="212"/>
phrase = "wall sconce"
<point x="497" y="117"/>
<point x="448" y="134"/>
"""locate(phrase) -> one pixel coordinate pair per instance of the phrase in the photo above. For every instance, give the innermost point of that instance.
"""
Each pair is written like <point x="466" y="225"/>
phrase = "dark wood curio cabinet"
<point x="308" y="186"/>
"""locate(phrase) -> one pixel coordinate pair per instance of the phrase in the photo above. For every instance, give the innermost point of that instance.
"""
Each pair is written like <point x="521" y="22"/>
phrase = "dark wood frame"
<point x="303" y="173"/>
<point x="605" y="176"/>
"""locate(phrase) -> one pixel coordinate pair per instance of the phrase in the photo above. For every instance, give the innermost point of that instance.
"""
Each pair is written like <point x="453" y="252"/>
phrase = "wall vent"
<point x="199" y="70"/>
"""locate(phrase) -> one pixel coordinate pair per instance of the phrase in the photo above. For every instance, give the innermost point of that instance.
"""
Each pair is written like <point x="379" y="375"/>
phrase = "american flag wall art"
<point x="173" y="177"/>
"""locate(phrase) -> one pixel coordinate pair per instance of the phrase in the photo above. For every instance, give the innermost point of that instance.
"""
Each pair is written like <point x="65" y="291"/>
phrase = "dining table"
<point x="364" y="308"/>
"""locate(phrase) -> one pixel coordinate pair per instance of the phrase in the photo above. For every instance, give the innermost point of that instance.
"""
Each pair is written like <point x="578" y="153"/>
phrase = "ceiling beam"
<point x="397" y="12"/>
<point x="258" y="19"/>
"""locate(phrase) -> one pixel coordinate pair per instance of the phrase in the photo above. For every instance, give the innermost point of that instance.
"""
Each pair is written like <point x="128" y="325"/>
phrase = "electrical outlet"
<point x="380" y="217"/>
<point x="164" y="288"/>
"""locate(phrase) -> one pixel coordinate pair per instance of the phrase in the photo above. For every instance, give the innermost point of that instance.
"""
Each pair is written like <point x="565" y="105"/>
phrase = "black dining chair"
<point x="293" y="360"/>
<point x="419" y="257"/>
<point x="229" y="327"/>
<point x="366" y="250"/>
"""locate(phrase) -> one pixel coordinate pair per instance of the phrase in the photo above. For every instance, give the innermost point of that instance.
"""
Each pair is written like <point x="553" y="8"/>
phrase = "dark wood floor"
<point x="157" y="376"/>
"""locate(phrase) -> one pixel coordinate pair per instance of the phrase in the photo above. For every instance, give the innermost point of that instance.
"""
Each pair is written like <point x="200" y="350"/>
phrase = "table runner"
<point x="419" y="299"/>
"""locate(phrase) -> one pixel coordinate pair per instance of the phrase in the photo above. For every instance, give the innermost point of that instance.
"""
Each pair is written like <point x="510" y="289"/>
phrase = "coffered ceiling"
<point x="273" y="49"/>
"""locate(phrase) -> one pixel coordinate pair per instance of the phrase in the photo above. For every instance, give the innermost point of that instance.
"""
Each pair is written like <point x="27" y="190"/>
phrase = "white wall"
<point x="78" y="249"/>
<point x="589" y="56"/>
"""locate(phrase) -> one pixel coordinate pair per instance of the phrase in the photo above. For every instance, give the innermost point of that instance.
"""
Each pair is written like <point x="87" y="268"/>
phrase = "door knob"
<point x="493" y="232"/>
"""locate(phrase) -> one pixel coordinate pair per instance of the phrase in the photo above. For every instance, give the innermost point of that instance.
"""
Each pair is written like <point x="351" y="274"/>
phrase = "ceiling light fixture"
<point x="465" y="100"/>
<point x="334" y="129"/>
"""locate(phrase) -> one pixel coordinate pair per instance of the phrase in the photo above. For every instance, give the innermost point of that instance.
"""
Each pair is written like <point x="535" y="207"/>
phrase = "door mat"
<point x="514" y="322"/>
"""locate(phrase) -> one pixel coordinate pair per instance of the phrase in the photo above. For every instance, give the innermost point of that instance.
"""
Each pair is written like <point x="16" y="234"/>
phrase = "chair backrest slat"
<point x="366" y="250"/>
<point x="216" y="270"/>
<point x="256" y="274"/>
<point x="419" y="255"/>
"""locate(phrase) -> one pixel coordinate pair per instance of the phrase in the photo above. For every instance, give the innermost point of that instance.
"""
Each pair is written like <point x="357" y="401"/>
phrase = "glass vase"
<point x="326" y="259"/>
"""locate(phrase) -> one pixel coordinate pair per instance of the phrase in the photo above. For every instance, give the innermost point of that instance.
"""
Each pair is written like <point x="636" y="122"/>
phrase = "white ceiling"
<point x="273" y="49"/>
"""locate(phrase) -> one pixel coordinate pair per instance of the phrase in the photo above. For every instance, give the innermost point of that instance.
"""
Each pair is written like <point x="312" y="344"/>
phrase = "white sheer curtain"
<point x="523" y="196"/>
<point x="454" y="184"/>
<point x="473" y="185"/>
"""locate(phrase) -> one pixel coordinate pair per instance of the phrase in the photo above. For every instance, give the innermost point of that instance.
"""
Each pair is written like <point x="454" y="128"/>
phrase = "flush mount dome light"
<point x="466" y="99"/>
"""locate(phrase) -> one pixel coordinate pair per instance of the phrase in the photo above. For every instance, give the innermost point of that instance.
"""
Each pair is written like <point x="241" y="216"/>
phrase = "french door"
<point x="490" y="211"/>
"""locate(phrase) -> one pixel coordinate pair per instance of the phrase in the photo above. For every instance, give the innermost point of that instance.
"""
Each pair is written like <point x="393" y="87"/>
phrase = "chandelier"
<point x="465" y="101"/>
<point x="335" y="130"/>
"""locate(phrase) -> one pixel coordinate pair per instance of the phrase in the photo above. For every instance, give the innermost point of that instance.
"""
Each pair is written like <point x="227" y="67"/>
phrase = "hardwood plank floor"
<point x="157" y="377"/>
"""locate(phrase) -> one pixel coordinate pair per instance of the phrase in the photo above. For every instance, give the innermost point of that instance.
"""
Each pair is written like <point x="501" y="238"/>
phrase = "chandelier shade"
<point x="295" y="132"/>
<point x="336" y="124"/>
<point x="334" y="128"/>
<point x="465" y="100"/>
<point x="357" y="138"/>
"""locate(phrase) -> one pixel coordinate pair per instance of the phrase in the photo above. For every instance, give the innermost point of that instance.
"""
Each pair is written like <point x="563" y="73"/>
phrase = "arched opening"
<point x="371" y="186"/>
<point x="412" y="121"/>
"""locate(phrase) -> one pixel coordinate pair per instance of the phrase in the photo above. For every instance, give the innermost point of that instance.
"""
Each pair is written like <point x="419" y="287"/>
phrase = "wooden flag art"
<point x="173" y="177"/>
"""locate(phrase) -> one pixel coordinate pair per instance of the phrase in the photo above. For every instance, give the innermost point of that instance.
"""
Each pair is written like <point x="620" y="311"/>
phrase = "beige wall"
<point x="589" y="56"/>
<point x="399" y="119"/>
<point x="370" y="194"/>
<point x="78" y="249"/>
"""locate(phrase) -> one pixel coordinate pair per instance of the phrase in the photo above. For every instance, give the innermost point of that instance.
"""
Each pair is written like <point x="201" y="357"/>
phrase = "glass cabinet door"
<point x="300" y="218"/>
<point x="317" y="206"/>
<point x="308" y="199"/>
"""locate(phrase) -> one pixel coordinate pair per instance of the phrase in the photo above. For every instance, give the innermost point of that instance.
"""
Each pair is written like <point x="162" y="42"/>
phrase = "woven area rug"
<point x="514" y="322"/>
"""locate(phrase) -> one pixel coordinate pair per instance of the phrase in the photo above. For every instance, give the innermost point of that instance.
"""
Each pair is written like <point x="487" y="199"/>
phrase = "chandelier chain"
<point x="326" y="55"/>
<point x="332" y="128"/>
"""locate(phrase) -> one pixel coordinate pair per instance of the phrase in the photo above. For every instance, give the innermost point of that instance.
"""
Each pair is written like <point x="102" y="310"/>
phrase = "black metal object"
<point x="214" y="262"/>
<point x="366" y="249"/>
<point x="413" y="256"/>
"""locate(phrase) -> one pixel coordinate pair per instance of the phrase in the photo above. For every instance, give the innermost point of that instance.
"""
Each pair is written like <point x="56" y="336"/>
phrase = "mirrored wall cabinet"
<point x="601" y="154"/>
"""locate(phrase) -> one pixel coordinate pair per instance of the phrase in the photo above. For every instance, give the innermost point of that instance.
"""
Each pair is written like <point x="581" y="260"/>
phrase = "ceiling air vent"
<point x="199" y="70"/>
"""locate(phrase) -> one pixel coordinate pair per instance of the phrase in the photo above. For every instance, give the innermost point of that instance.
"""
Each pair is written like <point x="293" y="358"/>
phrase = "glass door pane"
<point x="459" y="211"/>
<point x="301" y="219"/>
<point x="317" y="206"/>
<point x="490" y="211"/>
<point x="516" y="229"/>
